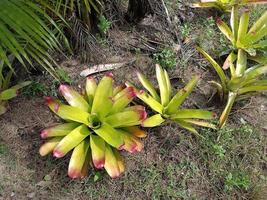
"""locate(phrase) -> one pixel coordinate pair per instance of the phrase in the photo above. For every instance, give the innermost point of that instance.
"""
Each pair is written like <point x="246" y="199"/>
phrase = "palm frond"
<point x="24" y="33"/>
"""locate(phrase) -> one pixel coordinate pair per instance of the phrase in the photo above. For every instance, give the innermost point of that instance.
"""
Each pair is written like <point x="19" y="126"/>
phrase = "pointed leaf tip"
<point x="44" y="134"/>
<point x="74" y="173"/>
<point x="89" y="78"/>
<point x="49" y="100"/>
<point x="219" y="21"/>
<point x="99" y="164"/>
<point x="143" y="114"/>
<point x="131" y="93"/>
<point x="109" y="74"/>
<point x="121" y="147"/>
<point x="57" y="154"/>
<point x="63" y="89"/>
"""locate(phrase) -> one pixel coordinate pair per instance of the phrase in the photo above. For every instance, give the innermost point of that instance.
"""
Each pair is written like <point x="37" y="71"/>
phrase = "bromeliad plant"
<point x="168" y="107"/>
<point x="241" y="37"/>
<point x="225" y="5"/>
<point x="241" y="83"/>
<point x="97" y="126"/>
<point x="7" y="92"/>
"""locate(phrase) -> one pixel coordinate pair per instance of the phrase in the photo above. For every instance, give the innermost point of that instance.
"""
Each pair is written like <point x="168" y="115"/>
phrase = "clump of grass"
<point x="185" y="30"/>
<point x="211" y="39"/>
<point x="63" y="76"/>
<point x="233" y="158"/>
<point x="237" y="180"/>
<point x="167" y="58"/>
<point x="35" y="89"/>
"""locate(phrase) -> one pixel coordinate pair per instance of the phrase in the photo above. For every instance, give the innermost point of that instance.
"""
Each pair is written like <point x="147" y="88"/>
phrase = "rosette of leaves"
<point x="168" y="107"/>
<point x="7" y="92"/>
<point x="242" y="83"/>
<point x="250" y="39"/>
<point x="225" y="5"/>
<point x="98" y="125"/>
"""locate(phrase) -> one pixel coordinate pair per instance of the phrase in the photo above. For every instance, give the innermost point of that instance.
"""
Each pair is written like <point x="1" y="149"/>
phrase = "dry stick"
<point x="167" y="13"/>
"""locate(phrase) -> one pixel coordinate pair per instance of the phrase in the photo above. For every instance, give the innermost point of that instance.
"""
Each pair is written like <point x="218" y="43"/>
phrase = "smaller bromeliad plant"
<point x="225" y="5"/>
<point x="168" y="107"/>
<point x="98" y="125"/>
<point x="7" y="92"/>
<point x="252" y="40"/>
<point x="242" y="81"/>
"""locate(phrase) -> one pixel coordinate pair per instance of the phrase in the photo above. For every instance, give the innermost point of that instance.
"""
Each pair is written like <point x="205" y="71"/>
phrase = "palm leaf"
<point x="24" y="33"/>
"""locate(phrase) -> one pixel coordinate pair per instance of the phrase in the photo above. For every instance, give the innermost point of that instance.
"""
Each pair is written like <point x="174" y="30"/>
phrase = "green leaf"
<point x="252" y="89"/>
<point x="8" y="94"/>
<point x="180" y="97"/>
<point x="225" y="29"/>
<point x="259" y="24"/>
<point x="186" y="126"/>
<point x="71" y="140"/>
<point x="217" y="68"/>
<point x="192" y="114"/>
<point x="25" y="34"/>
<point x="200" y="123"/>
<point x="243" y="26"/>
<point x="234" y="22"/>
<point x="148" y="86"/>
<point x="225" y="114"/>
<point x="21" y="85"/>
<point x="254" y="72"/>
<point x="153" y="121"/>
<point x="110" y="135"/>
<point x="68" y="112"/>
<point x="102" y="102"/>
<point x="241" y="62"/>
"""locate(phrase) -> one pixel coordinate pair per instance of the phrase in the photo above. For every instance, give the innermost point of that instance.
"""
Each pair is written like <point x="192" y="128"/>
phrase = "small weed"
<point x="212" y="40"/>
<point x="185" y="30"/>
<point x="53" y="89"/>
<point x="63" y="75"/>
<point x="210" y="25"/>
<point x="219" y="150"/>
<point x="103" y="25"/>
<point x="232" y="154"/>
<point x="39" y="89"/>
<point x="166" y="58"/>
<point x="238" y="180"/>
<point x="97" y="176"/>
<point x="35" y="89"/>
<point x="3" y="149"/>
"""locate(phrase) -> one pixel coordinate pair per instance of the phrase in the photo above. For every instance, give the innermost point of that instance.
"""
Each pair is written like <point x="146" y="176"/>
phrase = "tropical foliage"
<point x="25" y="34"/>
<point x="244" y="38"/>
<point x="243" y="80"/>
<point x="225" y="5"/>
<point x="168" y="107"/>
<point x="81" y="9"/>
<point x="98" y="125"/>
<point x="7" y="92"/>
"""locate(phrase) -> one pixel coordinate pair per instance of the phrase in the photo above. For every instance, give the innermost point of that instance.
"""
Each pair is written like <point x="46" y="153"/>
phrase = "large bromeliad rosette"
<point x="99" y="124"/>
